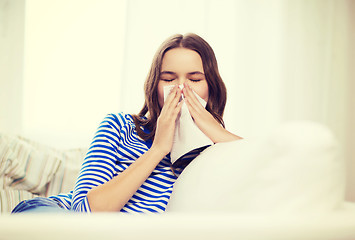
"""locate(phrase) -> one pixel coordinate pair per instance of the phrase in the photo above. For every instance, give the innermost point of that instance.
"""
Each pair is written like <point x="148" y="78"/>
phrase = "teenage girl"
<point x="127" y="167"/>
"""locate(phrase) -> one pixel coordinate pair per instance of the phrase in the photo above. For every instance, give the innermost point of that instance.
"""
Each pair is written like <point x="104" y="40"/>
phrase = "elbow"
<point x="100" y="203"/>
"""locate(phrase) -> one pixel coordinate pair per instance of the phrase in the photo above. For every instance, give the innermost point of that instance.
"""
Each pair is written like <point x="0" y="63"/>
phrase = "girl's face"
<point x="182" y="65"/>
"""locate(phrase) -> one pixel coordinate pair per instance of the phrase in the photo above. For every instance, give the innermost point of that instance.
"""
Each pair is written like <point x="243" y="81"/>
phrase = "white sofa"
<point x="287" y="185"/>
<point x="326" y="226"/>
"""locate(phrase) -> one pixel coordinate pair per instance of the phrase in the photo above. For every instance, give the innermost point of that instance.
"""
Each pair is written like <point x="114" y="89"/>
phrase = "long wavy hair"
<point x="217" y="97"/>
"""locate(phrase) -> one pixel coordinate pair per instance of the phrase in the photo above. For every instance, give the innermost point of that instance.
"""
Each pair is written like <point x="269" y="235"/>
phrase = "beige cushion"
<point x="26" y="165"/>
<point x="29" y="169"/>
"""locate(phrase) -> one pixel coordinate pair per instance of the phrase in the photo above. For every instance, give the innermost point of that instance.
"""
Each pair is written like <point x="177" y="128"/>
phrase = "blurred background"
<point x="65" y="64"/>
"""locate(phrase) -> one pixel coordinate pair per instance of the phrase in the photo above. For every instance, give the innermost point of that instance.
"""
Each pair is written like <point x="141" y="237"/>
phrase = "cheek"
<point x="202" y="91"/>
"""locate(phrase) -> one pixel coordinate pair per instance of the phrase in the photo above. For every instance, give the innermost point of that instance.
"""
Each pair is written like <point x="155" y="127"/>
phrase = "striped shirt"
<point x="115" y="146"/>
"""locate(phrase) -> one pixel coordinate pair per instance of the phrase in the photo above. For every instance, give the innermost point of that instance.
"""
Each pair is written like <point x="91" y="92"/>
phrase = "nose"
<point x="182" y="80"/>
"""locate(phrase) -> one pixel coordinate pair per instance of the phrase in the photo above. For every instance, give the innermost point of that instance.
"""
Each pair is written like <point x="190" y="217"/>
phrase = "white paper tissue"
<point x="187" y="134"/>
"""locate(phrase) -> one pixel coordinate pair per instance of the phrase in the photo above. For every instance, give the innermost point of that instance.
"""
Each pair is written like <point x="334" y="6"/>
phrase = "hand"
<point x="164" y="133"/>
<point x="204" y="120"/>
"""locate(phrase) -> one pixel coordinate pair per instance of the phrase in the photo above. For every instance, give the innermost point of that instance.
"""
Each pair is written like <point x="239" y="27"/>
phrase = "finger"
<point x="192" y="99"/>
<point x="191" y="109"/>
<point x="177" y="109"/>
<point x="171" y="94"/>
<point x="190" y="93"/>
<point x="170" y="106"/>
<point x="187" y="97"/>
<point x="170" y="98"/>
<point x="177" y="97"/>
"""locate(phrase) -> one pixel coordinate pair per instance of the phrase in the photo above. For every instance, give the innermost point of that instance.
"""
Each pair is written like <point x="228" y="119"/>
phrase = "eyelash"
<point x="170" y="80"/>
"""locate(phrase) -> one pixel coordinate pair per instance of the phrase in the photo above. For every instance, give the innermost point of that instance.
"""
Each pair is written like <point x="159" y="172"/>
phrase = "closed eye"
<point x="168" y="80"/>
<point x="196" y="76"/>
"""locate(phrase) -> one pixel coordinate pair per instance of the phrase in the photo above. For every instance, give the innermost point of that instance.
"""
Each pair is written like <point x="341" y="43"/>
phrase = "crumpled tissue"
<point x="187" y="135"/>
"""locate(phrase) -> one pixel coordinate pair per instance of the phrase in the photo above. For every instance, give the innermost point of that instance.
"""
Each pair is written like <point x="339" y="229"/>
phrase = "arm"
<point x="115" y="193"/>
<point x="205" y="121"/>
<point x="99" y="165"/>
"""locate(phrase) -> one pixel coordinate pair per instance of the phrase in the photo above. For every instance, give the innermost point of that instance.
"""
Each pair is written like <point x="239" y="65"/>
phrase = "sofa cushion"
<point x="296" y="168"/>
<point x="27" y="165"/>
<point x="64" y="179"/>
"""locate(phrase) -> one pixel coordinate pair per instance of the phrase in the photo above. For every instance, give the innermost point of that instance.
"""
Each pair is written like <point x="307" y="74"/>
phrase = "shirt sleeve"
<point x="99" y="165"/>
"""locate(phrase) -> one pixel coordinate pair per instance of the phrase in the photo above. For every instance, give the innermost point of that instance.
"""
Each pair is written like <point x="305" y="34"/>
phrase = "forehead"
<point x="182" y="60"/>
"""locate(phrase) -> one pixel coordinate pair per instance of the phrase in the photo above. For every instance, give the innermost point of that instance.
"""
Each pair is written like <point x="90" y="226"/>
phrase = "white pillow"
<point x="296" y="168"/>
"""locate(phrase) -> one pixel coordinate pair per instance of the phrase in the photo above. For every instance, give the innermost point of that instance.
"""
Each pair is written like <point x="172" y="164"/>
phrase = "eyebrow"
<point x="190" y="73"/>
<point x="196" y="72"/>
<point x="168" y="72"/>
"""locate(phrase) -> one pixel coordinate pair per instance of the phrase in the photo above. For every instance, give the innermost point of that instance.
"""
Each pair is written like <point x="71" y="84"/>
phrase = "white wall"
<point x="73" y="67"/>
<point x="350" y="131"/>
<point x="246" y="41"/>
<point x="149" y="24"/>
<point x="11" y="64"/>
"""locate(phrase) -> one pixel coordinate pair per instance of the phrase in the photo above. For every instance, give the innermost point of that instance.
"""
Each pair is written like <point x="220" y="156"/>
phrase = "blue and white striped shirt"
<point x="115" y="146"/>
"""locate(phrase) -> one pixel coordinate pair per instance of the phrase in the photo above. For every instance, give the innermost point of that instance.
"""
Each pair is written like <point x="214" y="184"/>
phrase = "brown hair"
<point x="217" y="91"/>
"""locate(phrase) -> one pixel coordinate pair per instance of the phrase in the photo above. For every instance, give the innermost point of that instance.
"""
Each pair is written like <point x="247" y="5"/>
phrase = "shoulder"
<point x="118" y="120"/>
<point x="114" y="126"/>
